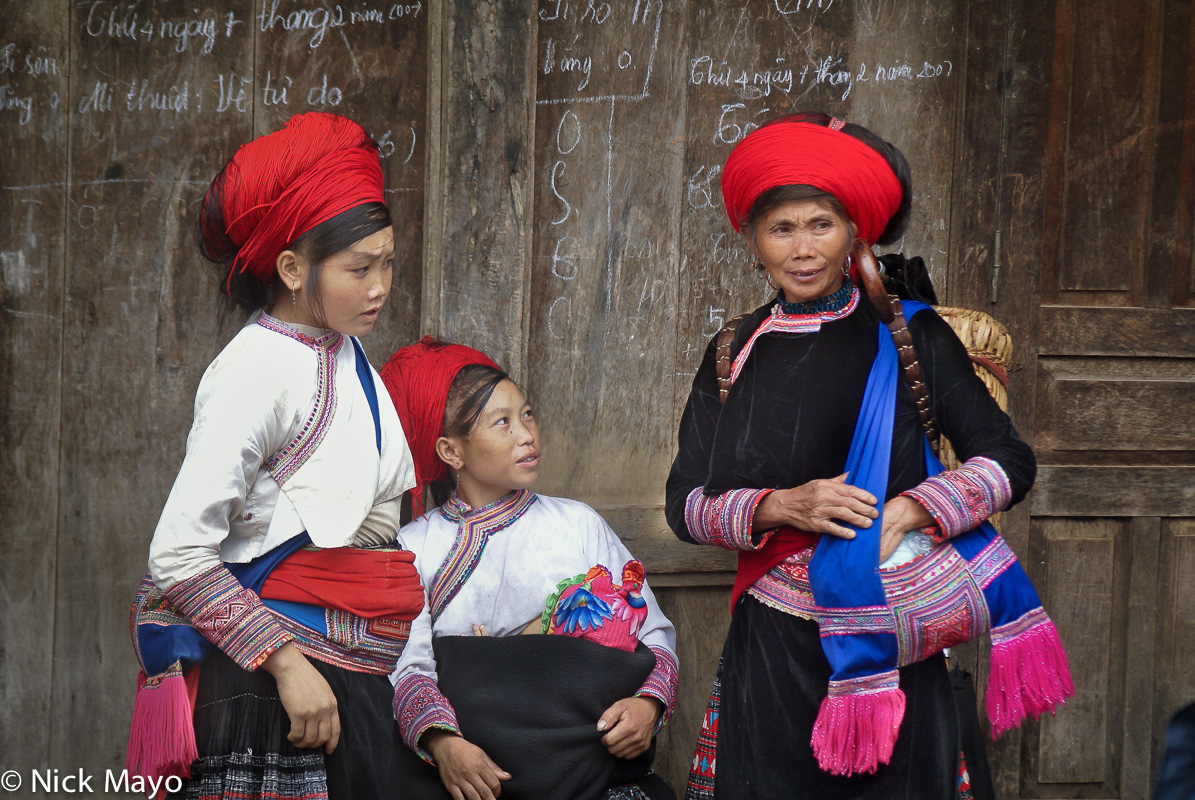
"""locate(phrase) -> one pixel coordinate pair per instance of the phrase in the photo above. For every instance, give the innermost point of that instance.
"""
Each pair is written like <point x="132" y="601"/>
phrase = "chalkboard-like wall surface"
<point x="553" y="171"/>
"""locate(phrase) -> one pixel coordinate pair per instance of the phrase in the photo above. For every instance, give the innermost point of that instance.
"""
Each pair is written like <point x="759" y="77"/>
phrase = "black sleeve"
<point x="964" y="410"/>
<point x="694" y="443"/>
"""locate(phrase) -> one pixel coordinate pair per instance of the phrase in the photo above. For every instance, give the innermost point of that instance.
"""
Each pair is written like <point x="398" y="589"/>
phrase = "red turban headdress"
<point x="786" y="153"/>
<point x="283" y="184"/>
<point x="418" y="378"/>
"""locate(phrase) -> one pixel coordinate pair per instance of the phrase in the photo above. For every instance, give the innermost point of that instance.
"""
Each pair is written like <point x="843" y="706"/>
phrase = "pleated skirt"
<point x="773" y="677"/>
<point x="241" y="729"/>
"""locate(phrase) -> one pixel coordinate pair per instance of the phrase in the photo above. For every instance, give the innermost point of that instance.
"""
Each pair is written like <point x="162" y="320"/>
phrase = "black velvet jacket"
<point x="790" y="416"/>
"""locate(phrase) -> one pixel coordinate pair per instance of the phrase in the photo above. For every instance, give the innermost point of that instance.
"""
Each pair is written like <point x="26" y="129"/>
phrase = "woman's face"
<point x="803" y="245"/>
<point x="353" y="286"/>
<point x="501" y="452"/>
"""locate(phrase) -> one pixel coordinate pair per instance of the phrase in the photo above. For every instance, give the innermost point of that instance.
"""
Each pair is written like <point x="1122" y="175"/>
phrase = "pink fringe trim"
<point x="162" y="734"/>
<point x="1029" y="675"/>
<point x="856" y="732"/>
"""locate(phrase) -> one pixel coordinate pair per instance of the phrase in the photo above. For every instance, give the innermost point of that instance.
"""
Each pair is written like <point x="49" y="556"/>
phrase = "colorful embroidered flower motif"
<point x="580" y="609"/>
<point x="591" y="606"/>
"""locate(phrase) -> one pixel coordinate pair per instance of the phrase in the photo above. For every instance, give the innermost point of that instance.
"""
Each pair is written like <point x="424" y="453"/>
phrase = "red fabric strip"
<point x="754" y="564"/>
<point x="368" y="583"/>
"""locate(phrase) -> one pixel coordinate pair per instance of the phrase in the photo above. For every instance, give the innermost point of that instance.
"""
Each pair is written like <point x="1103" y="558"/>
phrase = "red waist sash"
<point x="754" y="564"/>
<point x="368" y="583"/>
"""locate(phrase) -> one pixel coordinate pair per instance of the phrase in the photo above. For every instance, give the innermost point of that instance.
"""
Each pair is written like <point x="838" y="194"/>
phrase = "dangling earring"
<point x="768" y="277"/>
<point x="846" y="267"/>
<point x="294" y="304"/>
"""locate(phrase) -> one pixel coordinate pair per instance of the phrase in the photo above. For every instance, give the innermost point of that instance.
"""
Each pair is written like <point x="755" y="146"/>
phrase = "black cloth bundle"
<point x="532" y="704"/>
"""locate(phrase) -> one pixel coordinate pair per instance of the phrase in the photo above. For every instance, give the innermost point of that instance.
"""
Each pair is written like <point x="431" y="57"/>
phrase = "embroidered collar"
<point x="475" y="526"/>
<point x="517" y="502"/>
<point x="780" y="322"/>
<point x="832" y="302"/>
<point x="330" y="341"/>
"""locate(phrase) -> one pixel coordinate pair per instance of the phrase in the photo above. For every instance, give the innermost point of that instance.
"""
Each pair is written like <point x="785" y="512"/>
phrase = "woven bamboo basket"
<point x="990" y="347"/>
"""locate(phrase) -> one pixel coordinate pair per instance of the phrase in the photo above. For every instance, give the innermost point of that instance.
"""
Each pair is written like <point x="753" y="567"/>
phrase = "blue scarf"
<point x="872" y="622"/>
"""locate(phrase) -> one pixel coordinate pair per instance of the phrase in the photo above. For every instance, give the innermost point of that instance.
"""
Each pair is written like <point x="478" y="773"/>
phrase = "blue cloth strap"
<point x="371" y="393"/>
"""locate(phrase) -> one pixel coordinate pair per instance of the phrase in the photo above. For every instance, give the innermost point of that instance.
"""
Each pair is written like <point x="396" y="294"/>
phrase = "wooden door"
<point x="1078" y="183"/>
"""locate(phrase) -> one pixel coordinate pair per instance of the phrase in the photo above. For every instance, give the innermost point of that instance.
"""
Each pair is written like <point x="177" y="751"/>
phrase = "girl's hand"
<point x="901" y="515"/>
<point x="307" y="699"/>
<point x="465" y="770"/>
<point x="630" y="723"/>
<point x="815" y="506"/>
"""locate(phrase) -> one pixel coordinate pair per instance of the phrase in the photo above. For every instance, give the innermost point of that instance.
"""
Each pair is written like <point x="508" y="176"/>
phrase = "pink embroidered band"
<point x="663" y="683"/>
<point x="419" y="706"/>
<point x="961" y="499"/>
<point x="724" y="520"/>
<point x="229" y="616"/>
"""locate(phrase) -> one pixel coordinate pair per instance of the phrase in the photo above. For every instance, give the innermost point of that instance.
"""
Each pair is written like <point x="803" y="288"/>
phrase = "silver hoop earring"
<point x="846" y="268"/>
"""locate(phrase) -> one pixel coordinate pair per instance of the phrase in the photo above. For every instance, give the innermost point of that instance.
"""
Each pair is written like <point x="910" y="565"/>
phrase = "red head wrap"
<point x="283" y="184"/>
<point x="786" y="153"/>
<point x="418" y="378"/>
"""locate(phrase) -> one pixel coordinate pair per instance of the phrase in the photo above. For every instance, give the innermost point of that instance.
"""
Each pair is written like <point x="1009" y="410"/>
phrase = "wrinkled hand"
<point x="815" y="506"/>
<point x="630" y="723"/>
<point x="901" y="515"/>
<point x="465" y="770"/>
<point x="307" y="699"/>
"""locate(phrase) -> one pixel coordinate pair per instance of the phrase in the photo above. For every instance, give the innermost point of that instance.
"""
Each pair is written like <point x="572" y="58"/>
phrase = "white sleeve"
<point x="236" y="427"/>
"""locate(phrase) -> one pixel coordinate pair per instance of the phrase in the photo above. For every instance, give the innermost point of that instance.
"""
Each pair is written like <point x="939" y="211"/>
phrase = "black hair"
<point x="468" y="394"/>
<point x="778" y="195"/>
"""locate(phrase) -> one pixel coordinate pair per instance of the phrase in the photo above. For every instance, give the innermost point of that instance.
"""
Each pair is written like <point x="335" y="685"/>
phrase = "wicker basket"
<point x="990" y="348"/>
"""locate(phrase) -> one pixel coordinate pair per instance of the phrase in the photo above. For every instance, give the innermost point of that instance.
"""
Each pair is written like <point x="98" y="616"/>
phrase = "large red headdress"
<point x="790" y="152"/>
<point x="418" y="378"/>
<point x="283" y="184"/>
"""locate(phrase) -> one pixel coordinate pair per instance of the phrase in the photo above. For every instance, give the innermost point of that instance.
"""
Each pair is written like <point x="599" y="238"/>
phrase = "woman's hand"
<point x="815" y="506"/>
<point x="630" y="723"/>
<point x="307" y="699"/>
<point x="465" y="770"/>
<point x="901" y="515"/>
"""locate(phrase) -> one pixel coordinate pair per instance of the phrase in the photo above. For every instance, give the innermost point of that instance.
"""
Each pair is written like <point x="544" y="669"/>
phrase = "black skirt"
<point x="774" y="677"/>
<point x="241" y="728"/>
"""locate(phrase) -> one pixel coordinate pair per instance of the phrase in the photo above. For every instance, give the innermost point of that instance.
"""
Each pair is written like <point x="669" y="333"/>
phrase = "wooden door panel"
<point x="1115" y="404"/>
<point x="1106" y="70"/>
<point x="1083" y="575"/>
<point x="1175" y="661"/>
<point x="1068" y="330"/>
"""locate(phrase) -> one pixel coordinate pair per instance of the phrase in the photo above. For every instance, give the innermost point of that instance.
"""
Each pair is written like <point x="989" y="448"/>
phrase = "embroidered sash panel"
<point x="474" y="529"/>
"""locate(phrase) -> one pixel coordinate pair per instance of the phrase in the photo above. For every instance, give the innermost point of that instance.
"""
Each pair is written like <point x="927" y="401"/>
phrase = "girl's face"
<point x="803" y="245"/>
<point x="501" y="452"/>
<point x="353" y="285"/>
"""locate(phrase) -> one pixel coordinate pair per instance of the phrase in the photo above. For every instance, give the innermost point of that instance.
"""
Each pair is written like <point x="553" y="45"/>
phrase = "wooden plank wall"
<point x="114" y="118"/>
<point x="584" y="241"/>
<point x="553" y="170"/>
<point x="1092" y="190"/>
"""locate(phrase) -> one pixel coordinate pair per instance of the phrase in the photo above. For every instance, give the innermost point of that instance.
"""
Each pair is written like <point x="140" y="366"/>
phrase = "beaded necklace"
<point x="831" y="302"/>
